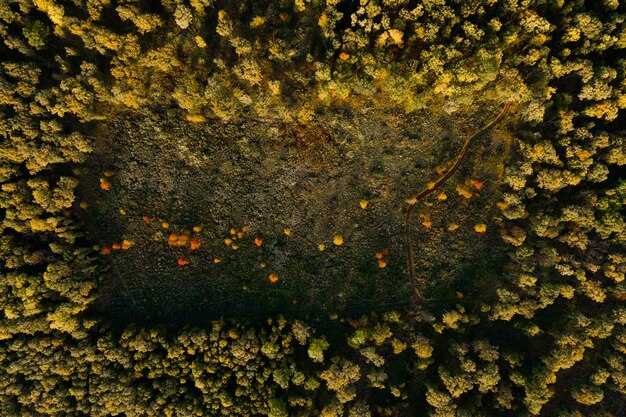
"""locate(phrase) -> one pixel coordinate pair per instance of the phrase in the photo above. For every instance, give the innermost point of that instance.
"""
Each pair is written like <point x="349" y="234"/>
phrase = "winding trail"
<point x="432" y="186"/>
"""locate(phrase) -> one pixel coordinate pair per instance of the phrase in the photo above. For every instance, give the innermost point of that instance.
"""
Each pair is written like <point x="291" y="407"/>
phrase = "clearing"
<point x="247" y="205"/>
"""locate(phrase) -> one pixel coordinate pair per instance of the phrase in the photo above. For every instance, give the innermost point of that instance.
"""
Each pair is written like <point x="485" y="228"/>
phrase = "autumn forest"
<point x="337" y="208"/>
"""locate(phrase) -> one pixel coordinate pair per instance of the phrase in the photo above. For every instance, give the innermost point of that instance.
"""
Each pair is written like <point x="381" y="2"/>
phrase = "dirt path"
<point x="433" y="186"/>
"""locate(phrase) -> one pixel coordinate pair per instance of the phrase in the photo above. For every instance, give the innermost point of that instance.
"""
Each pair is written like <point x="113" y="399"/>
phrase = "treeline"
<point x="553" y="341"/>
<point x="275" y="58"/>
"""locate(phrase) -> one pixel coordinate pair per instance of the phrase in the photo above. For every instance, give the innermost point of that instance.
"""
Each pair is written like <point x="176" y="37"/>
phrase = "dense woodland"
<point x="551" y="341"/>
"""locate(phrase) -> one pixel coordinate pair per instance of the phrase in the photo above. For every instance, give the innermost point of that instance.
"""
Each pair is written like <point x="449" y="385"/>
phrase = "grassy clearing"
<point x="263" y="197"/>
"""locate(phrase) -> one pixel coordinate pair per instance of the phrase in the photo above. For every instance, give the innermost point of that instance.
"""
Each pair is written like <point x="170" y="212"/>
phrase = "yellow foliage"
<point x="502" y="205"/>
<point x="583" y="154"/>
<point x="463" y="191"/>
<point x="396" y="36"/>
<point x="323" y="20"/>
<point x="200" y="42"/>
<point x="257" y="21"/>
<point x="195" y="118"/>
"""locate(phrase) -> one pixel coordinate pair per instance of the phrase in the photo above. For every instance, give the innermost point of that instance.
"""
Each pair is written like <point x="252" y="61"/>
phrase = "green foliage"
<point x="317" y="348"/>
<point x="278" y="408"/>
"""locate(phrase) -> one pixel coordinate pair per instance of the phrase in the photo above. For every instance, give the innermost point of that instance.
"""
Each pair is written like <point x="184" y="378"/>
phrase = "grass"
<point x="267" y="177"/>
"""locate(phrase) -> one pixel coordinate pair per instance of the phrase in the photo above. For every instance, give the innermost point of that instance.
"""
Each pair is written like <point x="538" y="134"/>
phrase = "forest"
<point x="202" y="208"/>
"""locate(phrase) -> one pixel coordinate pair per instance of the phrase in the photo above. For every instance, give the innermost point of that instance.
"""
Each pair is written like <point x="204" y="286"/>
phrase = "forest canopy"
<point x="543" y="334"/>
